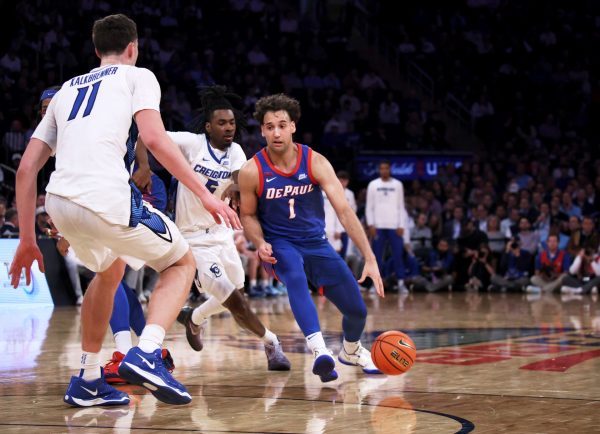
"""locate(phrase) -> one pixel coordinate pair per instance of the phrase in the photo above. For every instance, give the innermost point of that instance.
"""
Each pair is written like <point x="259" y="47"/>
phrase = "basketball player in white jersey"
<point x="216" y="160"/>
<point x="92" y="203"/>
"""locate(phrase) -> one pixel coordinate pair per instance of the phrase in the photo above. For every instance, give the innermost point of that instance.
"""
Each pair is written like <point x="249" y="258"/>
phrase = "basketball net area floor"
<point x="486" y="363"/>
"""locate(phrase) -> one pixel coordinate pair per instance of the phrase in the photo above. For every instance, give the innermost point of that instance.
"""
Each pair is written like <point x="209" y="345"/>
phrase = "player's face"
<point x="44" y="106"/>
<point x="221" y="128"/>
<point x="277" y="129"/>
<point x="384" y="170"/>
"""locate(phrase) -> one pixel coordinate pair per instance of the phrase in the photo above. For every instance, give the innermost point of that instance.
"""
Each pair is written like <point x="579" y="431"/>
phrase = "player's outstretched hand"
<point x="220" y="211"/>
<point x="371" y="270"/>
<point x="265" y="253"/>
<point x="24" y="256"/>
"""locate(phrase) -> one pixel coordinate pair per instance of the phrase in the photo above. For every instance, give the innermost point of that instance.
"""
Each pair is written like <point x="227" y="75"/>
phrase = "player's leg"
<point x="120" y="326"/>
<point x="289" y="269"/>
<point x="397" y="246"/>
<point x="77" y="224"/>
<point x="326" y="268"/>
<point x="157" y="242"/>
<point x="90" y="387"/>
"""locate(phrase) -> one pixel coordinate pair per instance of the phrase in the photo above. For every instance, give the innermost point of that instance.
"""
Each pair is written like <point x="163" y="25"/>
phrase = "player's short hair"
<point x="275" y="103"/>
<point x="214" y="98"/>
<point x="10" y="214"/>
<point x="388" y="162"/>
<point x="113" y="33"/>
<point x="342" y="174"/>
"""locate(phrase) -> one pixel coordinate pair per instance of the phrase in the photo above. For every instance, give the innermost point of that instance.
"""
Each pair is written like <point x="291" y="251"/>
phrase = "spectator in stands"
<point x="10" y="228"/>
<point x="568" y="207"/>
<point x="510" y="224"/>
<point x="584" y="272"/>
<point x="543" y="223"/>
<point x="437" y="271"/>
<point x="42" y="225"/>
<point x="453" y="227"/>
<point x="551" y="266"/>
<point x="586" y="235"/>
<point x="496" y="239"/>
<point x="514" y="269"/>
<point x="13" y="142"/>
<point x="529" y="239"/>
<point x="421" y="237"/>
<point x="2" y="211"/>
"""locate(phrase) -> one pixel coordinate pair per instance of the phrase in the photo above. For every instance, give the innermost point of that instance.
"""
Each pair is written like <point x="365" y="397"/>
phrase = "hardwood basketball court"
<point x="486" y="363"/>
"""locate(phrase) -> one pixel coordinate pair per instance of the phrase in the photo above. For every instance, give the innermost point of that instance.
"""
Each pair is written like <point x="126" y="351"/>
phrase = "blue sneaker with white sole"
<point x="324" y="365"/>
<point x="82" y="393"/>
<point x="148" y="370"/>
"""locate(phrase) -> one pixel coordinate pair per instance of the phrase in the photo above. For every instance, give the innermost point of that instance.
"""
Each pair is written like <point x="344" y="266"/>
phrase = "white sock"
<point x="151" y="338"/>
<point x="210" y="307"/>
<point x="264" y="283"/>
<point x="90" y="363"/>
<point x="315" y="341"/>
<point x="351" y="347"/>
<point x="269" y="337"/>
<point x="252" y="283"/>
<point x="400" y="282"/>
<point x="123" y="341"/>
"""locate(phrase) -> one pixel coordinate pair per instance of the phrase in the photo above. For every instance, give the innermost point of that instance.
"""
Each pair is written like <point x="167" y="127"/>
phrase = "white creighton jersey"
<point x="88" y="126"/>
<point x="385" y="204"/>
<point x="213" y="167"/>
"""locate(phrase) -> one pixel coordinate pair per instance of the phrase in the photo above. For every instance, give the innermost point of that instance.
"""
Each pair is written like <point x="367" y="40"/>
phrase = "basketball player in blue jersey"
<point x="282" y="212"/>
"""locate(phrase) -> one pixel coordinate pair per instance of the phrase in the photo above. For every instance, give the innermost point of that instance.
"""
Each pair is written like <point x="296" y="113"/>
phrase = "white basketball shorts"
<point x="156" y="241"/>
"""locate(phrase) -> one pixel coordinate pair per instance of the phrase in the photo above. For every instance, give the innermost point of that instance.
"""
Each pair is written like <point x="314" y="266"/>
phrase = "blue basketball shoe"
<point x="324" y="365"/>
<point x="82" y="393"/>
<point x="148" y="370"/>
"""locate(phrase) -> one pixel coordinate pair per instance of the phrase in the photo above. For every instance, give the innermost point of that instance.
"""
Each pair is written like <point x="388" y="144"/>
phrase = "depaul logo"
<point x="27" y="289"/>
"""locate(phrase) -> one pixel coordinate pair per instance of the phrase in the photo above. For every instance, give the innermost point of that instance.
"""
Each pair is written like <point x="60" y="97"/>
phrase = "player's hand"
<point x="371" y="270"/>
<point x="372" y="231"/>
<point x="265" y="253"/>
<point x="26" y="253"/>
<point x="142" y="178"/>
<point x="233" y="194"/>
<point x="220" y="211"/>
<point x="62" y="245"/>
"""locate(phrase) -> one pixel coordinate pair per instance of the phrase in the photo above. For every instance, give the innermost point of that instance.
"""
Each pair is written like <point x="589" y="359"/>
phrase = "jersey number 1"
<point x="292" y="211"/>
<point x="81" y="93"/>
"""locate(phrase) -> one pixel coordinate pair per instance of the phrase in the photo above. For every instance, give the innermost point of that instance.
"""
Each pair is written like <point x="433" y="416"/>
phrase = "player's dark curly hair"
<point x="275" y="103"/>
<point x="217" y="98"/>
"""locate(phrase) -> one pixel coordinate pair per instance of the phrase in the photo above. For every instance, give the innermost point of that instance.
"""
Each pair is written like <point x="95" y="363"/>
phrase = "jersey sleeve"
<point x="188" y="143"/>
<point x="238" y="157"/>
<point x="145" y="89"/>
<point x="46" y="130"/>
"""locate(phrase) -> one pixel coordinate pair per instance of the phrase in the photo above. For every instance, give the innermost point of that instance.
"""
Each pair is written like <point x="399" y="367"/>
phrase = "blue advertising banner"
<point x="407" y="167"/>
<point x="37" y="292"/>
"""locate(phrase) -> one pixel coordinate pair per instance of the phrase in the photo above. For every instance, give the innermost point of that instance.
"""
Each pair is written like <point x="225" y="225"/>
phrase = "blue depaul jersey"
<point x="290" y="205"/>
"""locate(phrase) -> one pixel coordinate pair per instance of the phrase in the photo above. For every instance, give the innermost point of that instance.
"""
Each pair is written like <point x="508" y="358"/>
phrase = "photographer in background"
<point x="551" y="266"/>
<point x="584" y="236"/>
<point x="514" y="269"/>
<point x="481" y="269"/>
<point x="584" y="272"/>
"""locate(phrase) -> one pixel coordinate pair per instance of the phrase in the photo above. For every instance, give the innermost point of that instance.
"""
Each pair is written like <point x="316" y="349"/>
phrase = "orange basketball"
<point x="393" y="352"/>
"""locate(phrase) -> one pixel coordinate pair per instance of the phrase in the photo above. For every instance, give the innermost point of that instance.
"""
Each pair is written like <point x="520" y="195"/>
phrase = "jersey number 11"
<point x="81" y="93"/>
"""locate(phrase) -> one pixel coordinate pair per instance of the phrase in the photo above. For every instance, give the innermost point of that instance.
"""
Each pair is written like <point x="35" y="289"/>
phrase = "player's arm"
<point x="248" y="182"/>
<point x="35" y="156"/>
<point x="142" y="177"/>
<point x="325" y="176"/>
<point x="154" y="136"/>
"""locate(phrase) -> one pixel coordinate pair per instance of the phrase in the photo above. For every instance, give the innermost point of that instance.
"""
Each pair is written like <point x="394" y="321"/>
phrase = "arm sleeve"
<point x="188" y="143"/>
<point x="46" y="130"/>
<point x="145" y="90"/>
<point x="370" y="204"/>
